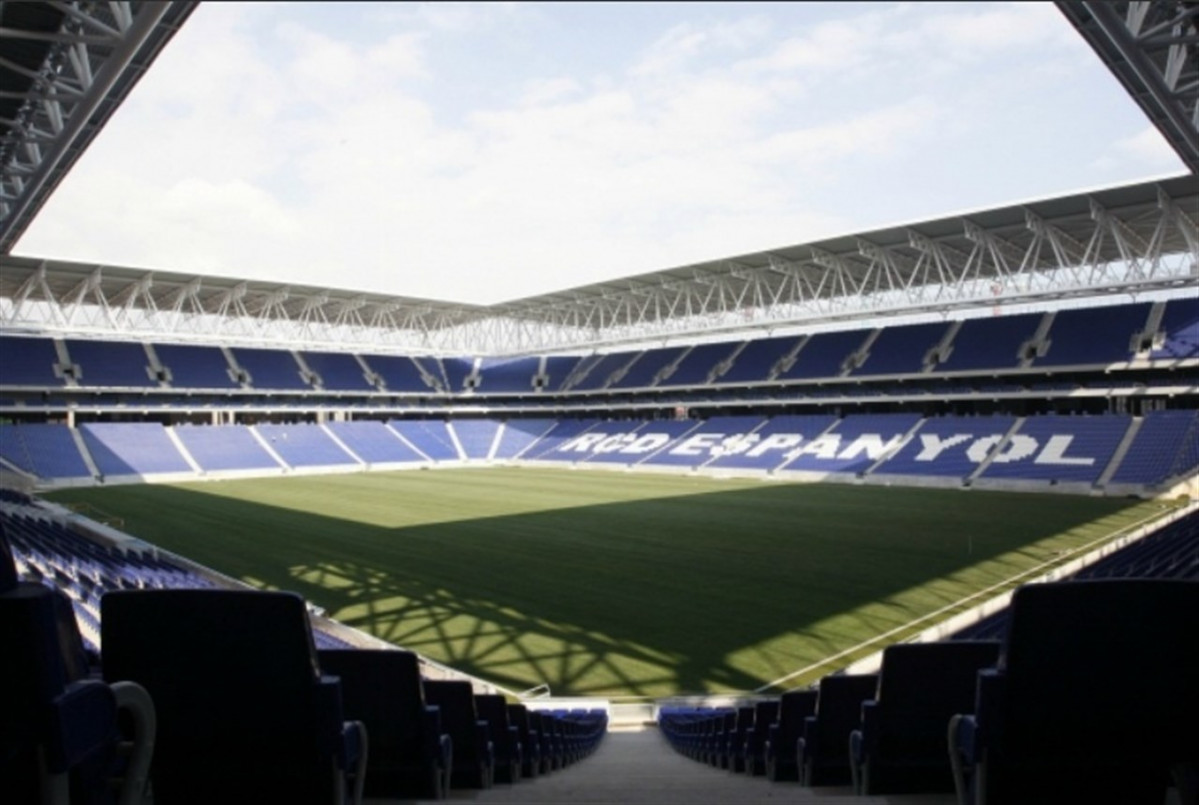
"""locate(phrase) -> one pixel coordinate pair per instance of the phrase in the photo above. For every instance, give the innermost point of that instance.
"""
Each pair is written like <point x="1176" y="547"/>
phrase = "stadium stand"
<point x="132" y="448"/>
<point x="337" y="371"/>
<point x="110" y="364"/>
<point x="30" y="362"/>
<point x="948" y="446"/>
<point x="701" y="364"/>
<point x="305" y="445"/>
<point x="373" y="442"/>
<point x="756" y="361"/>
<point x="270" y="369"/>
<point x="431" y="437"/>
<point x="1179" y="331"/>
<point x="825" y="355"/>
<point x="557" y="369"/>
<point x="223" y="448"/>
<point x="192" y="366"/>
<point x="1094" y="336"/>
<point x="477" y="436"/>
<point x="901" y="350"/>
<point x="646" y="368"/>
<point x="399" y="373"/>
<point x="990" y="344"/>
<point x="44" y="450"/>
<point x="1166" y="446"/>
<point x="456" y="371"/>
<point x="514" y="375"/>
<point x="596" y="374"/>
<point x="854" y="445"/>
<point x="518" y="435"/>
<point x="1060" y="448"/>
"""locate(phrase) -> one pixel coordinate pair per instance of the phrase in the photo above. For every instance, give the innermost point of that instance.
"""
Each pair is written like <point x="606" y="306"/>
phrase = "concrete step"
<point x="636" y="766"/>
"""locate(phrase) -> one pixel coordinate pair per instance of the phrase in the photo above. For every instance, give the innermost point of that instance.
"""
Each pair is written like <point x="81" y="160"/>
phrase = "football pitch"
<point x="612" y="583"/>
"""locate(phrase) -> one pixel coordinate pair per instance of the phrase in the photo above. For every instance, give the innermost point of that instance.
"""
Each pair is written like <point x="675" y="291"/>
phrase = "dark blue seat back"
<point x="242" y="712"/>
<point x="1096" y="694"/>
<point x="383" y="690"/>
<point x="825" y="752"/>
<point x="904" y="745"/>
<point x="473" y="758"/>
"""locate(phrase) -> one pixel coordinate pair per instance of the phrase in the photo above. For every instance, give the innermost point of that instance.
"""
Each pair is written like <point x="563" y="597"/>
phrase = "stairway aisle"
<point x="638" y="767"/>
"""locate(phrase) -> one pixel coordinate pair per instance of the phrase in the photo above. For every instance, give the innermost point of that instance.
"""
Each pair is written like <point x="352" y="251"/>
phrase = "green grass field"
<point x="616" y="584"/>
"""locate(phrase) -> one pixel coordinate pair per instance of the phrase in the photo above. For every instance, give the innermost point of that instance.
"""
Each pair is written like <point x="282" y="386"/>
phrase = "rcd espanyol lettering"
<point x="1054" y="450"/>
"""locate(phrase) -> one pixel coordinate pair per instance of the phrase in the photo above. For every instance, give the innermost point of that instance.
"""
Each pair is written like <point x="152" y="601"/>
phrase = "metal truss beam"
<point x="1152" y="47"/>
<point x="1123" y="240"/>
<point x="62" y="86"/>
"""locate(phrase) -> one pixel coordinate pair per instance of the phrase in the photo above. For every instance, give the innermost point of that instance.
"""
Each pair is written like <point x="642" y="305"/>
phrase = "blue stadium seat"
<point x="505" y="737"/>
<point x="765" y="716"/>
<point x="794" y="707"/>
<point x="473" y="752"/>
<point x="530" y="741"/>
<point x="901" y="745"/>
<point x="410" y="755"/>
<point x="243" y="713"/>
<point x="1094" y="698"/>
<point x="822" y="752"/>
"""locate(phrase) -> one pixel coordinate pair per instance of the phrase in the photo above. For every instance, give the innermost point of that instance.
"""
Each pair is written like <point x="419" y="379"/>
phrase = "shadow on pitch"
<point x="560" y="597"/>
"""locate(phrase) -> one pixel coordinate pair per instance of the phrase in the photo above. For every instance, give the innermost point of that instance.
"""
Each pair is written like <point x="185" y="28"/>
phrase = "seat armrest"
<point x="82" y="720"/>
<point x="988" y="708"/>
<point x="433" y="741"/>
<point x="872" y="716"/>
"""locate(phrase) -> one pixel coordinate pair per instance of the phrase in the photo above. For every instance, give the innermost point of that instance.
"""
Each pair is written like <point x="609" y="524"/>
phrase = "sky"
<point x="483" y="152"/>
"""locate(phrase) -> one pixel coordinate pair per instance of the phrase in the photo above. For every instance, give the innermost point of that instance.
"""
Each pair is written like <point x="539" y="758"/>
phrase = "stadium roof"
<point x="1116" y="240"/>
<point x="73" y="63"/>
<point x="65" y="67"/>
<point x="1153" y="49"/>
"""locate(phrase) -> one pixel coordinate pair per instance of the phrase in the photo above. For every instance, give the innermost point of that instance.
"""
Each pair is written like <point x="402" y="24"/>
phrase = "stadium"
<point x="593" y="536"/>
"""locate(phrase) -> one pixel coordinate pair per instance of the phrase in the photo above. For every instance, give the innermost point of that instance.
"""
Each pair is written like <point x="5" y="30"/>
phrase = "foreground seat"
<point x="59" y="737"/>
<point x="901" y="746"/>
<point x="244" y="715"/>
<point x="1094" y="699"/>
<point x="410" y="755"/>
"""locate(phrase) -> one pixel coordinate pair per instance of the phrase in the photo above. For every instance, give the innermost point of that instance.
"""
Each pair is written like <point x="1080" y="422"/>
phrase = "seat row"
<point x="1089" y="698"/>
<point x="230" y="701"/>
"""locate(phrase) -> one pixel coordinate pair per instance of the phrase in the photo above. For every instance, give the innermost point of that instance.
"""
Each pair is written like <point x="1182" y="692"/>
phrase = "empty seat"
<point x="901" y="745"/>
<point x="505" y="736"/>
<point x="1094" y="698"/>
<point x="409" y="752"/>
<point x="243" y="712"/>
<point x="765" y="715"/>
<point x="822" y="752"/>
<point x="794" y="707"/>
<point x="473" y="754"/>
